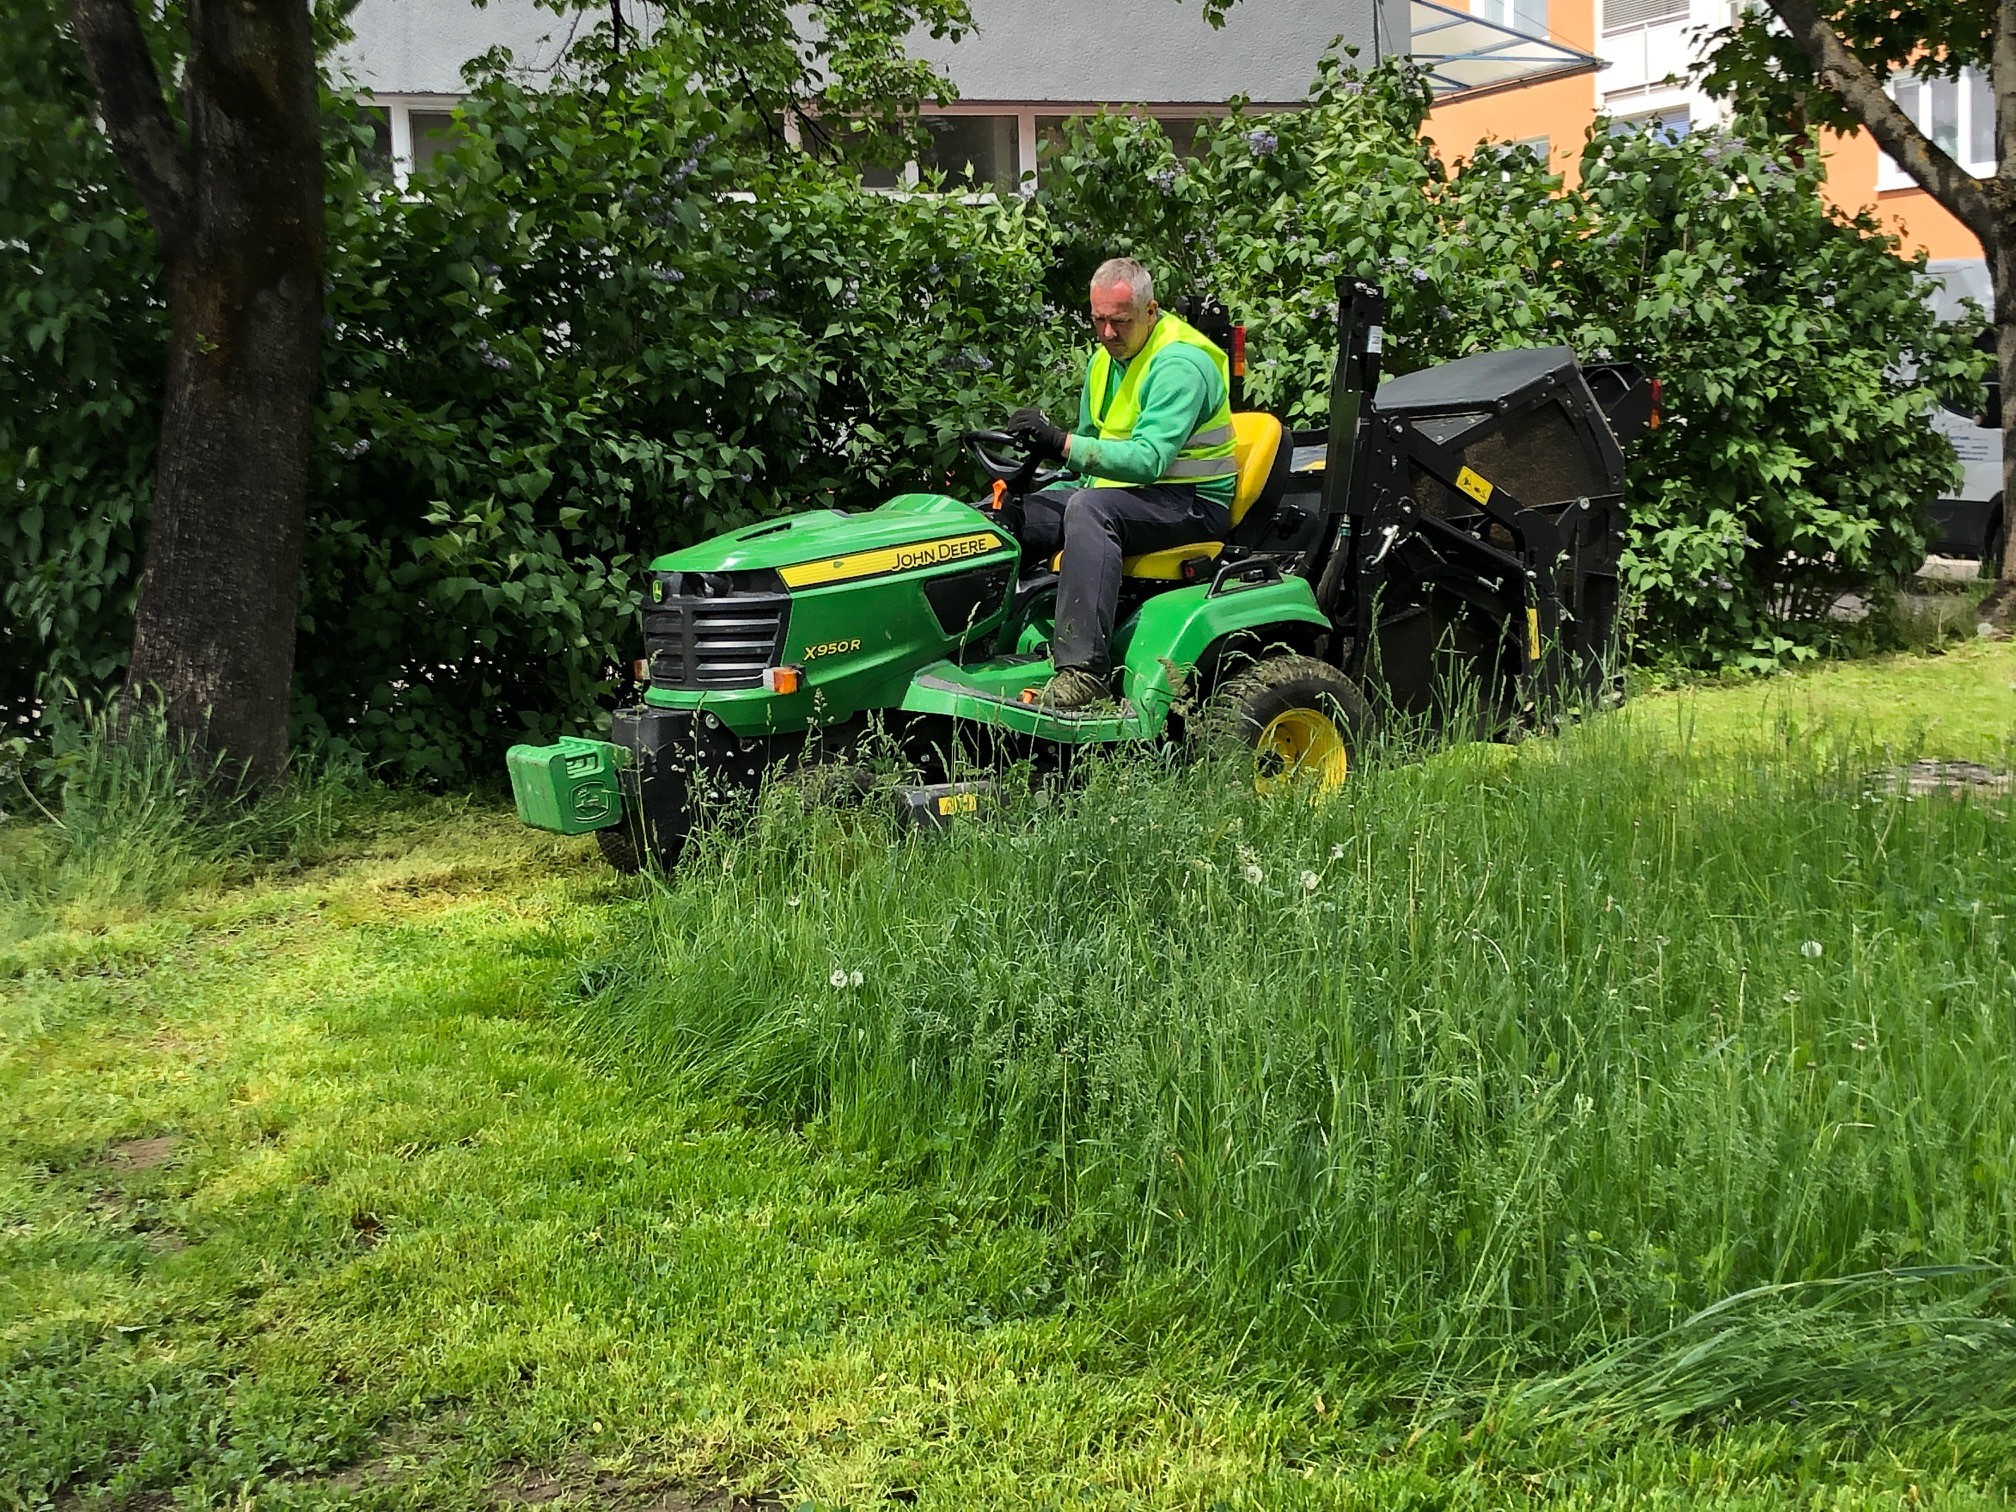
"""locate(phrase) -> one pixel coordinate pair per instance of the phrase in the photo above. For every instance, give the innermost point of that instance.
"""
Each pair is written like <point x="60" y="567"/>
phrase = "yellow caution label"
<point x="959" y="803"/>
<point x="860" y="564"/>
<point x="1474" y="484"/>
<point x="1532" y="633"/>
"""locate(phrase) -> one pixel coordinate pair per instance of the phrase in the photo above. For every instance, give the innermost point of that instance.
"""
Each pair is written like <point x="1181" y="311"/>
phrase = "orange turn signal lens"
<point x="783" y="679"/>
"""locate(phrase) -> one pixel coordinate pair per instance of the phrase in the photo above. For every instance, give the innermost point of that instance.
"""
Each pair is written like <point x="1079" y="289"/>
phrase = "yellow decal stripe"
<point x="909" y="558"/>
<point x="1532" y="633"/>
<point x="1474" y="485"/>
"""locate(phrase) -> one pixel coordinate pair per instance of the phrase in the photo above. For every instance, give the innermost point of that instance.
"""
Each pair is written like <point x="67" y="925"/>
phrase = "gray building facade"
<point x="1026" y="67"/>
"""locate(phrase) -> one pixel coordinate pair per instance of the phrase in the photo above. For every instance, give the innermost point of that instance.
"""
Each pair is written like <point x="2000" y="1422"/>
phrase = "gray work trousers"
<point x="1095" y="528"/>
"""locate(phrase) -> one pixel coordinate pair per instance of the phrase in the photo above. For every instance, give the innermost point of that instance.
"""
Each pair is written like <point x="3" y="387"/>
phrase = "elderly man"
<point x="1152" y="454"/>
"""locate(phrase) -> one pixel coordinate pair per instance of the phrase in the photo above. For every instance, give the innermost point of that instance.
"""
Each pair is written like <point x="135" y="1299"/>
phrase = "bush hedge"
<point x="1792" y="342"/>
<point x="621" y="316"/>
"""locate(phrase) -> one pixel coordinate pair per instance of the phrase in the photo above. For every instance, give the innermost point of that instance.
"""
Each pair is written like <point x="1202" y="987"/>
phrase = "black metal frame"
<point x="1381" y="554"/>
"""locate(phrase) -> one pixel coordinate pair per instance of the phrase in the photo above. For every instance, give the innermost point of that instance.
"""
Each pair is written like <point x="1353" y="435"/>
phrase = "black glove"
<point x="1033" y="428"/>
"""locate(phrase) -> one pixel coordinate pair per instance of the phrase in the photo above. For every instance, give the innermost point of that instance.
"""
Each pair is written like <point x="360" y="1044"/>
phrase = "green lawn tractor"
<point x="1452" y="536"/>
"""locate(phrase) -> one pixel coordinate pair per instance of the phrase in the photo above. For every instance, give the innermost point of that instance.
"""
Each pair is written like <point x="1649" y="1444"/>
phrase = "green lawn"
<point x="438" y="1167"/>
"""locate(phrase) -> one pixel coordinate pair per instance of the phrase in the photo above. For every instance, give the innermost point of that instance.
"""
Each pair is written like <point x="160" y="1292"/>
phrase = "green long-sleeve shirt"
<point x="1183" y="390"/>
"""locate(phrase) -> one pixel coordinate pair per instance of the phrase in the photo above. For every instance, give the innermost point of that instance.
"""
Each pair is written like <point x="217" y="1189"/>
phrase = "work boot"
<point x="1074" y="689"/>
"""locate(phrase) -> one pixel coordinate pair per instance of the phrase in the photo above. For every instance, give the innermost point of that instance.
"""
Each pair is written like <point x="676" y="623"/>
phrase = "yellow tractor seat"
<point x="1256" y="447"/>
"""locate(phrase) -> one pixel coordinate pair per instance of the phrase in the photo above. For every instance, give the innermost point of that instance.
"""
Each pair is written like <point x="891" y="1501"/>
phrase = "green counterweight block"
<point x="570" y="787"/>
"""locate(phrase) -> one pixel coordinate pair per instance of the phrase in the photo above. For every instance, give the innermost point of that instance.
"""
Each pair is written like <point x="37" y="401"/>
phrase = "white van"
<point x="1970" y="524"/>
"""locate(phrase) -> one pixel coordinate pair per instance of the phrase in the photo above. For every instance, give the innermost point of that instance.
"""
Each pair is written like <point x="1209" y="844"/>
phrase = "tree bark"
<point x="236" y="198"/>
<point x="2000" y="608"/>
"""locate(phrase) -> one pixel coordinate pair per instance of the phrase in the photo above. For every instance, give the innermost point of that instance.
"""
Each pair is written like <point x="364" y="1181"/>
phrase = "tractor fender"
<point x="1173" y="630"/>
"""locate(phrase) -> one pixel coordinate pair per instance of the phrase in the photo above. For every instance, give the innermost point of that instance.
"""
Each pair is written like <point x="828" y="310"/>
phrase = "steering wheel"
<point x="1023" y="477"/>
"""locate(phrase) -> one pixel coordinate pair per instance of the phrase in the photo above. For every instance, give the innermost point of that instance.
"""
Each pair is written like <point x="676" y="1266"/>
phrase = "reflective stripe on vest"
<point x="1208" y="452"/>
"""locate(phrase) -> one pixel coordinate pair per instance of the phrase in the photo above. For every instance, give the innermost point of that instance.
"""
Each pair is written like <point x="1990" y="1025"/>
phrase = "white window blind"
<point x="1622" y="15"/>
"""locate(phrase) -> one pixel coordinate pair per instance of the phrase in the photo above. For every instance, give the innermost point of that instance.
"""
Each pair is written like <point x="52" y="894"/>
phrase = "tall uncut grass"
<point x="123" y="816"/>
<point x="1674" y="1078"/>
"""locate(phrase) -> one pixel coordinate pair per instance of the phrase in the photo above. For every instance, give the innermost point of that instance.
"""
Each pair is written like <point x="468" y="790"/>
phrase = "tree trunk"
<point x="2001" y="253"/>
<point x="238" y="210"/>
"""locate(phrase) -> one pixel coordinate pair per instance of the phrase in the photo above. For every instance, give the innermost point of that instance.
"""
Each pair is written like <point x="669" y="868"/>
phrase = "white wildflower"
<point x="1811" y="950"/>
<point x="1309" y="881"/>
<point x="839" y="977"/>
<point x="853" y="979"/>
<point x="792" y="901"/>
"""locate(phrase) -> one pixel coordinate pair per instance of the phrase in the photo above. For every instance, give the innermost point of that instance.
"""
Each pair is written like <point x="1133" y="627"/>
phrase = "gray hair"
<point x="1127" y="273"/>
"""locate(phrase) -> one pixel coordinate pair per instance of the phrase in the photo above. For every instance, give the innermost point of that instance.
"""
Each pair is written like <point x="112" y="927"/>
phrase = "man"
<point x="1153" y="457"/>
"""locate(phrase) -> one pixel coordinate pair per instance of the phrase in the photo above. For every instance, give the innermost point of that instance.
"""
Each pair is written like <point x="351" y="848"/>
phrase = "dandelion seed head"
<point x="1310" y="881"/>
<point x="853" y="979"/>
<point x="1254" y="874"/>
<point x="839" y="977"/>
<point x="1812" y="950"/>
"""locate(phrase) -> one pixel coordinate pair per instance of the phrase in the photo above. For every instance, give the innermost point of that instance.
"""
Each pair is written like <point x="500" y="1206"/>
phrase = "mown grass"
<point x="405" y="1172"/>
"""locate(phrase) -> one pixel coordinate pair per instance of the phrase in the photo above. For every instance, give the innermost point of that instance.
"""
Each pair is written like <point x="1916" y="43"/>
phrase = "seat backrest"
<point x="1256" y="441"/>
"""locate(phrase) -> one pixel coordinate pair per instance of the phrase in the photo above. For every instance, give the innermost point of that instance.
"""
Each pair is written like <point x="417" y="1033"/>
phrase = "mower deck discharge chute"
<point x="1452" y="542"/>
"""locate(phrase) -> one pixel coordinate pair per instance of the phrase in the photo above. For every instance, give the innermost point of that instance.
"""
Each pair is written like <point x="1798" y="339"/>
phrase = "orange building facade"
<point x="1644" y="48"/>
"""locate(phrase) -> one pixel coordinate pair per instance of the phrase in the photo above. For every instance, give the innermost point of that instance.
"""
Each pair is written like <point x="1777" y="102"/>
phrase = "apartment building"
<point x="1027" y="66"/>
<point x="1643" y="51"/>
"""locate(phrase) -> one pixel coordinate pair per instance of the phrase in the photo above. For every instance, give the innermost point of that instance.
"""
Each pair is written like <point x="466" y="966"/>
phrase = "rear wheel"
<point x="1993" y="547"/>
<point x="619" y="848"/>
<point x="1300" y="721"/>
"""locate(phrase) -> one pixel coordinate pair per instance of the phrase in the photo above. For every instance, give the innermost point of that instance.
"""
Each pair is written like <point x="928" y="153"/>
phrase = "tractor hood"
<point x="911" y="532"/>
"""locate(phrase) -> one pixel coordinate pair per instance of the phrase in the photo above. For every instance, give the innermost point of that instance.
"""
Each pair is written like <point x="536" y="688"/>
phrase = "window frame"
<point x="1973" y="92"/>
<point x="399" y="109"/>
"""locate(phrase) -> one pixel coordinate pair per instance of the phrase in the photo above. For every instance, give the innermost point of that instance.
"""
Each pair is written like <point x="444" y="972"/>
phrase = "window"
<point x="1667" y="125"/>
<point x="411" y="131"/>
<point x="434" y="132"/>
<point x="980" y="150"/>
<point x="1957" y="114"/>
<point x="378" y="156"/>
<point x="1628" y="15"/>
<point x="1180" y="129"/>
<point x="1528" y="16"/>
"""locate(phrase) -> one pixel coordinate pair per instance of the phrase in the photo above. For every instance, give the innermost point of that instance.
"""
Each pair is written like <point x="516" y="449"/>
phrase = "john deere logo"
<point x="657" y="590"/>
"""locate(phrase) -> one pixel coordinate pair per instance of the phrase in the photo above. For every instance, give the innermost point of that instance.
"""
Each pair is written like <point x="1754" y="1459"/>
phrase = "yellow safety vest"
<point x="1208" y="452"/>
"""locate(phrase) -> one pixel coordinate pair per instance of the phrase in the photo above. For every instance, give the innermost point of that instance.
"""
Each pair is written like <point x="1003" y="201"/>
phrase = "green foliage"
<point x="1759" y="65"/>
<point x="621" y="316"/>
<point x="1798" y="364"/>
<point x="83" y="332"/>
<point x="602" y="332"/>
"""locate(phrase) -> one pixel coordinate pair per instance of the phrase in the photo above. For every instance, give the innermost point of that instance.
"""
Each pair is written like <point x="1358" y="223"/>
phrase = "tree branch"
<point x="1841" y="72"/>
<point x="136" y="114"/>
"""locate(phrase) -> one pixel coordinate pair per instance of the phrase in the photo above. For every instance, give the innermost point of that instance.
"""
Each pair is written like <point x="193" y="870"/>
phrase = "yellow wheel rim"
<point x="1300" y="748"/>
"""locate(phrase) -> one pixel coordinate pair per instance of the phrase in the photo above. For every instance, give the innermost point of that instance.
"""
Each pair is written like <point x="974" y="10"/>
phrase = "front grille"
<point x="700" y="643"/>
